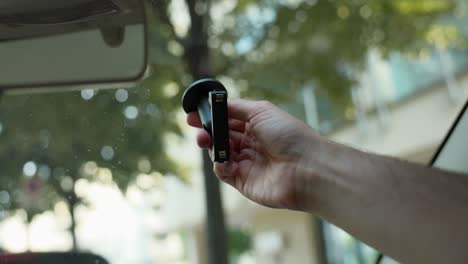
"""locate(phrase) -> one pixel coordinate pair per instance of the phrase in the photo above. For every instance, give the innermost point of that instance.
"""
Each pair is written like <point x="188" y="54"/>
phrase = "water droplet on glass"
<point x="29" y="169"/>
<point x="4" y="197"/>
<point x="343" y="12"/>
<point x="44" y="171"/>
<point x="201" y="8"/>
<point x="66" y="183"/>
<point x="44" y="136"/>
<point x="87" y="94"/>
<point x="301" y="16"/>
<point x="90" y="168"/>
<point x="2" y="213"/>
<point x="365" y="12"/>
<point x="175" y="48"/>
<point x="228" y="49"/>
<point x="131" y="112"/>
<point x="107" y="153"/>
<point x="152" y="110"/>
<point x="121" y="95"/>
<point x="58" y="172"/>
<point x="144" y="165"/>
<point x="171" y="89"/>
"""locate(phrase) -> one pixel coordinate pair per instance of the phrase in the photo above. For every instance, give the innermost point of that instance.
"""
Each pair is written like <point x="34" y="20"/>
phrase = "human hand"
<point x="268" y="149"/>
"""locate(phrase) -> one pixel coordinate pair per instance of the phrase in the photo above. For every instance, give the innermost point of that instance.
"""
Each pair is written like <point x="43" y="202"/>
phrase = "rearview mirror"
<point x="54" y="43"/>
<point x="52" y="258"/>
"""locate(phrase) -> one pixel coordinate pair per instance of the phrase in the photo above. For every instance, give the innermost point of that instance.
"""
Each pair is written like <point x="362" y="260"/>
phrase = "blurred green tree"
<point x="270" y="48"/>
<point x="278" y="47"/>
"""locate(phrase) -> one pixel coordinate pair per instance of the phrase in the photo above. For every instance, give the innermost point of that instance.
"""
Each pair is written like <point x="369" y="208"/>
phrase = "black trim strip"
<point x="73" y="14"/>
<point x="380" y="257"/>
<point x="449" y="134"/>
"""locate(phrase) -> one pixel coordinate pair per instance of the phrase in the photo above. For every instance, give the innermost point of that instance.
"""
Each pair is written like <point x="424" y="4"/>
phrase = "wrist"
<point x="311" y="179"/>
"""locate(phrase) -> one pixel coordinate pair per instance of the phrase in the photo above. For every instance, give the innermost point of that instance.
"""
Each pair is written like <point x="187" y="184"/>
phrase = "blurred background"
<point x="118" y="173"/>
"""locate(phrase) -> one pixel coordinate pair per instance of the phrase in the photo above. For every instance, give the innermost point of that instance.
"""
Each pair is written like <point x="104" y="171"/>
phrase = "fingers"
<point x="240" y="109"/>
<point x="194" y="120"/>
<point x="236" y="143"/>
<point x="247" y="154"/>
<point x="236" y="138"/>
<point x="226" y="169"/>
<point x="204" y="140"/>
<point x="227" y="172"/>
<point x="236" y="125"/>
<point x="245" y="110"/>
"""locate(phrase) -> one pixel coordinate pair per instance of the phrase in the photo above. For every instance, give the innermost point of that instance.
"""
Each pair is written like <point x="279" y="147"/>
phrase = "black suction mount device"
<point x="208" y="97"/>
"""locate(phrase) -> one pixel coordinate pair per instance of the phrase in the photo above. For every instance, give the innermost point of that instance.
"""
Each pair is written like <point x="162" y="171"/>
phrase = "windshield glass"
<point x="117" y="171"/>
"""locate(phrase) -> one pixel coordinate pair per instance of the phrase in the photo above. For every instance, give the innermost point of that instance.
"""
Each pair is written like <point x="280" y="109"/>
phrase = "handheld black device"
<point x="208" y="97"/>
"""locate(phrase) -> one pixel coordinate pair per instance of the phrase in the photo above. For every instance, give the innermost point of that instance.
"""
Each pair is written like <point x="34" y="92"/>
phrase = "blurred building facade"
<point x="403" y="108"/>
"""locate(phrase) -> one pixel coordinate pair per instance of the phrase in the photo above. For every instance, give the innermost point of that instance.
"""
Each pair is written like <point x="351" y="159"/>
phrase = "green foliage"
<point x="239" y="242"/>
<point x="61" y="132"/>
<point x="325" y="42"/>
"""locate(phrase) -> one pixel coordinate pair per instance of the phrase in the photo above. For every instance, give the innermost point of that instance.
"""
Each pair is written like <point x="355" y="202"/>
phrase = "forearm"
<point x="413" y="213"/>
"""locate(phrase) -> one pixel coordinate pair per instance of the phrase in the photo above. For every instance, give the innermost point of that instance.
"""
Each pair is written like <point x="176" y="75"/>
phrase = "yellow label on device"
<point x="222" y="154"/>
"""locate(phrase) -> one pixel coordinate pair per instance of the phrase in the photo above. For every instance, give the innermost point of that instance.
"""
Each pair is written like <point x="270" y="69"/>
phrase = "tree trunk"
<point x="28" y="237"/>
<point x="319" y="239"/>
<point x="198" y="60"/>
<point x="215" y="226"/>
<point x="73" y="230"/>
<point x="72" y="201"/>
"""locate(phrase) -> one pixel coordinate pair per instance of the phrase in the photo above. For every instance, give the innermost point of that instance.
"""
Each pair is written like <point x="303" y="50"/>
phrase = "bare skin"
<point x="412" y="213"/>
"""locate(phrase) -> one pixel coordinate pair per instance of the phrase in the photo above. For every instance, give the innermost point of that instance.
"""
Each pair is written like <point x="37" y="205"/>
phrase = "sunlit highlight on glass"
<point x="90" y="168"/>
<point x="29" y="169"/>
<point x="121" y="95"/>
<point x="144" y="165"/>
<point x="171" y="89"/>
<point x="131" y="112"/>
<point x="107" y="153"/>
<point x="4" y="197"/>
<point x="87" y="94"/>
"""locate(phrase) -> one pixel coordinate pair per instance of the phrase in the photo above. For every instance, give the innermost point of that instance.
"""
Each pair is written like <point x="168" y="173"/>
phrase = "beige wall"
<point x="297" y="230"/>
<point x="415" y="128"/>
